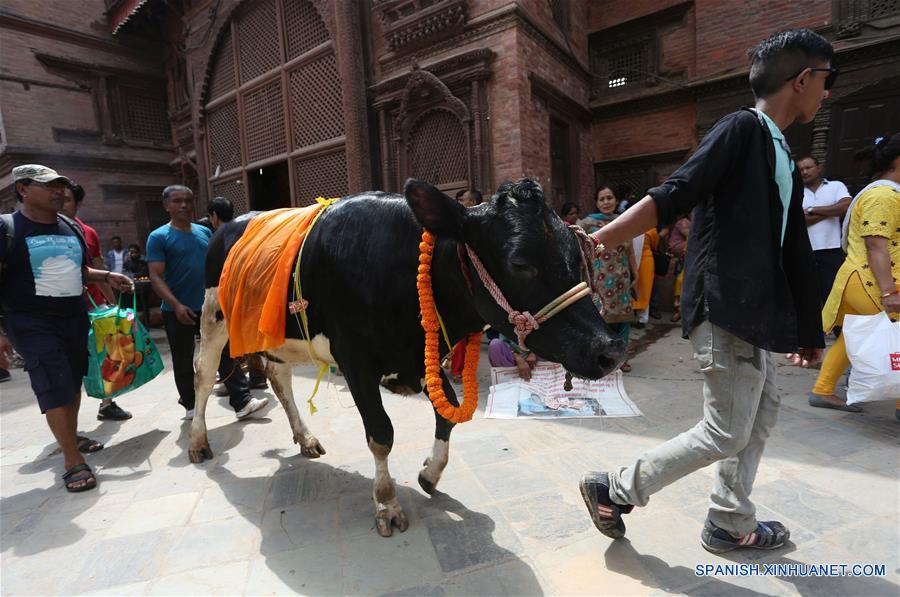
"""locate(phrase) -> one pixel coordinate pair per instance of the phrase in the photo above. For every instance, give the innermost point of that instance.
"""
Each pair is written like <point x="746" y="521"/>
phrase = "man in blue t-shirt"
<point x="176" y="258"/>
<point x="44" y="269"/>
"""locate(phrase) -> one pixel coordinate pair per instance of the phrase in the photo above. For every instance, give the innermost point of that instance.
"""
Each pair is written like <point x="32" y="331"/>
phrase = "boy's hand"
<point x="805" y="357"/>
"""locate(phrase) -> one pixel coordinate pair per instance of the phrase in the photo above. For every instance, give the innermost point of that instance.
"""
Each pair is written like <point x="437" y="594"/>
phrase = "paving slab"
<point x="507" y="519"/>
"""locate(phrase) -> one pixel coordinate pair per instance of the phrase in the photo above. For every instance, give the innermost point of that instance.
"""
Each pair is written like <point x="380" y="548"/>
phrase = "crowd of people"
<point x="53" y="272"/>
<point x="757" y="244"/>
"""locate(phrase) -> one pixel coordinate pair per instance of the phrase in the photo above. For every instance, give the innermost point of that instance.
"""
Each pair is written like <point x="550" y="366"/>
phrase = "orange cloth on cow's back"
<point x="254" y="283"/>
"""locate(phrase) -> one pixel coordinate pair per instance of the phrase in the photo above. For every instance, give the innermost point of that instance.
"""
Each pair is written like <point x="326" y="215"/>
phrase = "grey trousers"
<point x="740" y="408"/>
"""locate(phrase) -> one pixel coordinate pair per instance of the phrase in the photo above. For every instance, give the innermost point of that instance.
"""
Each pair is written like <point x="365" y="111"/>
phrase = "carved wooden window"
<point x="619" y="66"/>
<point x="258" y="52"/>
<point x="305" y="30"/>
<point x="316" y="101"/>
<point x="321" y="176"/>
<point x="236" y="191"/>
<point x="437" y="150"/>
<point x="408" y="23"/>
<point x="145" y="118"/>
<point x="851" y="16"/>
<point x="883" y="8"/>
<point x="224" y="138"/>
<point x="275" y="103"/>
<point x="264" y="120"/>
<point x="223" y="76"/>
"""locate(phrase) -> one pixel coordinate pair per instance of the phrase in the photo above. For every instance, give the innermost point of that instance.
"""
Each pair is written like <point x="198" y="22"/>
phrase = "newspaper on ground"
<point x="543" y="397"/>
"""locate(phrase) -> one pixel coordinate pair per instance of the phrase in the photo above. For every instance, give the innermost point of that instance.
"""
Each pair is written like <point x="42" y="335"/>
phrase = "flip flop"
<point x="88" y="446"/>
<point x="819" y="402"/>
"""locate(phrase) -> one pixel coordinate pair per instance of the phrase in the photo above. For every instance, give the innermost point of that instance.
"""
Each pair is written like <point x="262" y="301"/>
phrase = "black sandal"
<point x="77" y="471"/>
<point x="88" y="446"/>
<point x="768" y="535"/>
<point x="595" y="492"/>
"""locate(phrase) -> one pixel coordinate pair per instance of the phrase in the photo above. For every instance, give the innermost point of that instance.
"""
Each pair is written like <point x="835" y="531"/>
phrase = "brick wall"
<point x="666" y="129"/>
<point x="535" y="114"/>
<point x="725" y="30"/>
<point x="609" y="13"/>
<point x="710" y="40"/>
<point x="37" y="99"/>
<point x="505" y="97"/>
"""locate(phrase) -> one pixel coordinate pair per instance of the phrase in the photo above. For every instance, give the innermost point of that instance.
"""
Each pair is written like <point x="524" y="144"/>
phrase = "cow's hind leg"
<point x="380" y="438"/>
<point x="279" y="375"/>
<point x="440" y="452"/>
<point x="213" y="336"/>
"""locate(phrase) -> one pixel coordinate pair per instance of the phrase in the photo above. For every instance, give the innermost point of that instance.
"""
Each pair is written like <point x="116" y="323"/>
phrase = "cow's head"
<point x="533" y="257"/>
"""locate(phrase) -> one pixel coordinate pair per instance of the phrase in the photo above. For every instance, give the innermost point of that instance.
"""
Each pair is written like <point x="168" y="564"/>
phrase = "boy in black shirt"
<point x="749" y="291"/>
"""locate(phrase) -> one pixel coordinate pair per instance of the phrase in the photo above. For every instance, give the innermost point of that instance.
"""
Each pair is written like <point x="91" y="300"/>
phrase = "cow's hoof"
<point x="310" y="447"/>
<point x="200" y="454"/>
<point x="427" y="485"/>
<point x="387" y="519"/>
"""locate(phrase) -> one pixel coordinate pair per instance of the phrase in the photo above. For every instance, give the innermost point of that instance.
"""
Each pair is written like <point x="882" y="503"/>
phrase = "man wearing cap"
<point x="44" y="270"/>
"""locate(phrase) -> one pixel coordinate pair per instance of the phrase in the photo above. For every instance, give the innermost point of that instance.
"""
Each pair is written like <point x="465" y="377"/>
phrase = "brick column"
<point x="348" y="46"/>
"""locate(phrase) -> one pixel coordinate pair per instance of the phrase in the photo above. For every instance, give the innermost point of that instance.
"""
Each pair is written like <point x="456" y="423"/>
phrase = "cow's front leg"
<point x="213" y="336"/>
<point x="440" y="452"/>
<point x="363" y="384"/>
<point x="279" y="375"/>
<point x="388" y="512"/>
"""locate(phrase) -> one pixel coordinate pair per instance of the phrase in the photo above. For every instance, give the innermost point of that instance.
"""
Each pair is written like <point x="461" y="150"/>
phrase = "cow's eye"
<point x="524" y="269"/>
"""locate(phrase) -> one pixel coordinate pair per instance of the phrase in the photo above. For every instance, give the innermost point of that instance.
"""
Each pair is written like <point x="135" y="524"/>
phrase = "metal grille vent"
<point x="224" y="138"/>
<point x="259" y="40"/>
<point x="235" y="191"/>
<point x="146" y="119"/>
<point x="222" y="79"/>
<point x="316" y="105"/>
<point x="626" y="67"/>
<point x="437" y="149"/>
<point x="303" y="26"/>
<point x="321" y="176"/>
<point x="264" y="114"/>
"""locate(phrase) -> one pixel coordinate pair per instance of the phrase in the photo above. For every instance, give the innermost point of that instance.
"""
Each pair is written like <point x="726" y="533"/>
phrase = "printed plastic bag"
<point x="873" y="345"/>
<point x="122" y="355"/>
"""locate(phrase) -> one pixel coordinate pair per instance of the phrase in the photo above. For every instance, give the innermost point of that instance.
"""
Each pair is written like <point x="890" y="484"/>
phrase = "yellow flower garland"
<point x="454" y="414"/>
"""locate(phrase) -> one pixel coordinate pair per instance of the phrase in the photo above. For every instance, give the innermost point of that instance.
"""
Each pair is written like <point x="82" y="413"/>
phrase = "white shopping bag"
<point x="873" y="345"/>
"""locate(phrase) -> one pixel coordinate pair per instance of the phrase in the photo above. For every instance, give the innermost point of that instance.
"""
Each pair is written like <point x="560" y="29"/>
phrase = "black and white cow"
<point x="358" y="272"/>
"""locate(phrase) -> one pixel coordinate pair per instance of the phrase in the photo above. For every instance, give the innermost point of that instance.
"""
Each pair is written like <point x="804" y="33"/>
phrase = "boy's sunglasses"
<point x="829" y="80"/>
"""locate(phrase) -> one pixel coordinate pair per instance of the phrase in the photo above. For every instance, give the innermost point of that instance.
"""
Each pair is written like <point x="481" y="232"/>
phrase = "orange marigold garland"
<point x="430" y="323"/>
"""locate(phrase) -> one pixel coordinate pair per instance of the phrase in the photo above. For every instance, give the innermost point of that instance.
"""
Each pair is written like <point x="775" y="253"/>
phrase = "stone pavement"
<point x="261" y="519"/>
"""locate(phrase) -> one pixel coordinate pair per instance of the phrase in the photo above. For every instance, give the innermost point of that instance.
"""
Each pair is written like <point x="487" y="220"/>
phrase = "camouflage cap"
<point x="38" y="173"/>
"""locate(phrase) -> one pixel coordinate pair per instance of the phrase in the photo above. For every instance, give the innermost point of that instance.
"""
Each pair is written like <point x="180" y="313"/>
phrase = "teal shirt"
<point x="784" y="168"/>
<point x="184" y="254"/>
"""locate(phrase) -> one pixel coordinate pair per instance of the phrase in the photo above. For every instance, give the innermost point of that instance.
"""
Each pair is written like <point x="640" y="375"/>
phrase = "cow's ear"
<point x="438" y="213"/>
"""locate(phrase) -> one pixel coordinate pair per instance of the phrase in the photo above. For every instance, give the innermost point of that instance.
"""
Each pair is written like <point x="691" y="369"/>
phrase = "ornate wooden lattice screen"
<point x="235" y="190"/>
<point x="437" y="150"/>
<point x="275" y="98"/>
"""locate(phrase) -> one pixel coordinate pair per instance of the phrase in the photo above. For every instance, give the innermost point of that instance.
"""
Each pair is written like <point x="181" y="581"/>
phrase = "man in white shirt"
<point x="824" y="204"/>
<point x="115" y="257"/>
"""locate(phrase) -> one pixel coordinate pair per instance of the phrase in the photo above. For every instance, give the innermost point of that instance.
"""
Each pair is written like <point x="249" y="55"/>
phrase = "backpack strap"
<point x="79" y="232"/>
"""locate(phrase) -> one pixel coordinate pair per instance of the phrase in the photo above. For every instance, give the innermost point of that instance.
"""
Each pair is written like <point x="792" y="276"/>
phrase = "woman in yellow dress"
<point x="869" y="279"/>
<point x="641" y="304"/>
